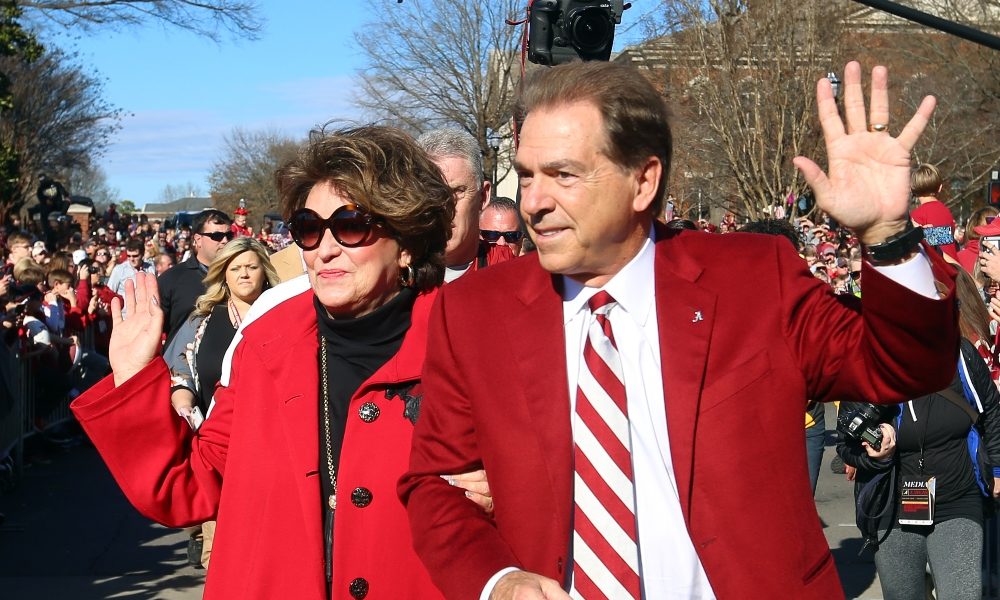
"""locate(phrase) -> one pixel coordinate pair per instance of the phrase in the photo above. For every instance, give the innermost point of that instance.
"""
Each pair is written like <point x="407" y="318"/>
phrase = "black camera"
<point x="861" y="424"/>
<point x="560" y="31"/>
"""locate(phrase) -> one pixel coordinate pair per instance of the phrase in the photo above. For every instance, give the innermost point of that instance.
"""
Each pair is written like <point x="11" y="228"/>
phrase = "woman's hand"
<point x="989" y="259"/>
<point x="867" y="188"/>
<point x="996" y="488"/>
<point x="135" y="338"/>
<point x="888" y="443"/>
<point x="476" y="486"/>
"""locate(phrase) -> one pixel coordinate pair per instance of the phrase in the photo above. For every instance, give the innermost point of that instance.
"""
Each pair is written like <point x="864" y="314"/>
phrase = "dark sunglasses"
<point x="218" y="236"/>
<point x="350" y="225"/>
<point x="492" y="237"/>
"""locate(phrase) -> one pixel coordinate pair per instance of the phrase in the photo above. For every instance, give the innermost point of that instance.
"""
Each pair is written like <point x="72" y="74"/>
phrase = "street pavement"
<point x="69" y="533"/>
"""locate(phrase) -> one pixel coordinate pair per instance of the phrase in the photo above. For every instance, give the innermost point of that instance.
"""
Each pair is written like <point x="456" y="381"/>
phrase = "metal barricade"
<point x="11" y="423"/>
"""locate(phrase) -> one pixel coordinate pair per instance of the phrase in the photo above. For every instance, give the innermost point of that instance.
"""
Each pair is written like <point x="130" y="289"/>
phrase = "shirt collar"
<point x="632" y="287"/>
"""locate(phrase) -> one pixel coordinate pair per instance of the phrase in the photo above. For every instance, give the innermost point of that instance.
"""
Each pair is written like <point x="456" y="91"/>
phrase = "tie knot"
<point x="601" y="300"/>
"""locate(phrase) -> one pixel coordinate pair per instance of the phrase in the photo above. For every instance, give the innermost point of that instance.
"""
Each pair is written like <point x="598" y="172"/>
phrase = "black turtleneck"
<point x="356" y="348"/>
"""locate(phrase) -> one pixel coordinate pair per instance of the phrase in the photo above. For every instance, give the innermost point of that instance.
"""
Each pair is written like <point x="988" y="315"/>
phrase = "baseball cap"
<point x="826" y="248"/>
<point x="79" y="256"/>
<point x="991" y="229"/>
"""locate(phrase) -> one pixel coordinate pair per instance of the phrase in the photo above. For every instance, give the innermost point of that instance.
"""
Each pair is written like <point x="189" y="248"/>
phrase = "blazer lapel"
<point x="685" y="315"/>
<point x="539" y="322"/>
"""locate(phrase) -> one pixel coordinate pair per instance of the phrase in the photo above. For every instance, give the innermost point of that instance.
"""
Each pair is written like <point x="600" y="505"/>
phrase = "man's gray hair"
<point x="445" y="143"/>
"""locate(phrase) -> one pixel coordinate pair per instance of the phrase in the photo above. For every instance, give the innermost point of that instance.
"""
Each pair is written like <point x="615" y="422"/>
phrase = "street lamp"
<point x="493" y="139"/>
<point x="834" y="83"/>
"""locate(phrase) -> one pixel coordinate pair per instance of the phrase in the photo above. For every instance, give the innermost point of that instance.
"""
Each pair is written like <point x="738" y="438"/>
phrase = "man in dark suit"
<point x="181" y="285"/>
<point x="647" y="443"/>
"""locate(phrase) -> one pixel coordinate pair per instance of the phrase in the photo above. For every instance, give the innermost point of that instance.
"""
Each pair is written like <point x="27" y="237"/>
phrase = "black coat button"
<point x="358" y="588"/>
<point x="368" y="412"/>
<point x="361" y="497"/>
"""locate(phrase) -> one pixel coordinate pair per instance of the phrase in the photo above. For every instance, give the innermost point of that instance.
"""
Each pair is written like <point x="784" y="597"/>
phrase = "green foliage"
<point x="126" y="207"/>
<point x="15" y="42"/>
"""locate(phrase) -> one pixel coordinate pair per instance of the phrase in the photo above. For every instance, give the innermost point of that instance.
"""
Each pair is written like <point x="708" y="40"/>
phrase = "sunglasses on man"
<point x="218" y="236"/>
<point x="492" y="237"/>
<point x="350" y="225"/>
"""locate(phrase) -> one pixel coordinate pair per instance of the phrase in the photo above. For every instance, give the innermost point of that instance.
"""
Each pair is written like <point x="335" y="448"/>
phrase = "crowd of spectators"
<point x="58" y="280"/>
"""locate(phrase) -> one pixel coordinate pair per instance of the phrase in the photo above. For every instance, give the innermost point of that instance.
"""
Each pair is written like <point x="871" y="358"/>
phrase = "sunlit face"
<point x="163" y="264"/>
<point x="587" y="216"/>
<point x="471" y="195"/>
<point x="19" y="250"/>
<point x="240" y="220"/>
<point x="351" y="282"/>
<point x="205" y="247"/>
<point x="245" y="276"/>
<point x="134" y="258"/>
<point x="493" y="219"/>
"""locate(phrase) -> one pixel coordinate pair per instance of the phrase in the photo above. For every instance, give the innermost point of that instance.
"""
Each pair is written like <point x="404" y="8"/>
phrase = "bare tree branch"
<point x="59" y="121"/>
<point x="246" y="170"/>
<point x="436" y="63"/>
<point x="209" y="18"/>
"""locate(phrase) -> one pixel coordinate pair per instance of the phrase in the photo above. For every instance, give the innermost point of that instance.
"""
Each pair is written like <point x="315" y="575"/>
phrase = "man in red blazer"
<point x="717" y="342"/>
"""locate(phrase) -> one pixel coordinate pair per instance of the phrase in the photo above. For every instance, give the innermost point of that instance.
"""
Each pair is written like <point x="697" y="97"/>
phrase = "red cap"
<point x="826" y="248"/>
<point x="989" y="230"/>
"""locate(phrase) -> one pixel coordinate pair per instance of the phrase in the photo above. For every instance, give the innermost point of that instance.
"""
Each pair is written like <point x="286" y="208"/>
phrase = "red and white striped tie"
<point x="605" y="552"/>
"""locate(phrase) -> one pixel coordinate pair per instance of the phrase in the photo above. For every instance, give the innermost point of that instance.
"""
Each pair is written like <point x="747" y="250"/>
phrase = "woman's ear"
<point x="405" y="258"/>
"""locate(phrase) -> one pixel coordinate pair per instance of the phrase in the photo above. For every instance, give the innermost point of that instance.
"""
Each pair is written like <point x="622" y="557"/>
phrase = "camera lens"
<point x="590" y="28"/>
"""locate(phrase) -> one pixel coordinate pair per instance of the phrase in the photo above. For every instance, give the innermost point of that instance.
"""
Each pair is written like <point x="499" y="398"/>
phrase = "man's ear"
<point x="647" y="183"/>
<point x="486" y="192"/>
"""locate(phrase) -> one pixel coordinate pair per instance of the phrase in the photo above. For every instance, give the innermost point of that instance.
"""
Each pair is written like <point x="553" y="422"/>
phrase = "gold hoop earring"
<point x="408" y="276"/>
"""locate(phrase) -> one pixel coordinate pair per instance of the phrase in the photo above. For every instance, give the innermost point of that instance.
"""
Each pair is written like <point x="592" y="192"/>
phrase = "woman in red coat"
<point x="310" y="427"/>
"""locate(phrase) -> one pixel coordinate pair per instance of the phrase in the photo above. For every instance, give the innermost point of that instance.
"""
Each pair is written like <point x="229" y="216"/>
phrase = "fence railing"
<point x="20" y="394"/>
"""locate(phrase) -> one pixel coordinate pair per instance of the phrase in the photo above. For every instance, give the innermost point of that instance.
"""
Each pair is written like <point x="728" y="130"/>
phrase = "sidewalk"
<point x="835" y="505"/>
<point x="69" y="533"/>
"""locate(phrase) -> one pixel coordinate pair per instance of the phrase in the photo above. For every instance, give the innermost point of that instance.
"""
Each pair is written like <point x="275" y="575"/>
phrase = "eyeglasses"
<point x="350" y="225"/>
<point x="492" y="237"/>
<point x="133" y="256"/>
<point x="102" y="254"/>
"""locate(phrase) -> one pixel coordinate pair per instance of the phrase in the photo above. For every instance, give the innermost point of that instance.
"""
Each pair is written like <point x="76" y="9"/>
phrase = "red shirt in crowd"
<point x="934" y="213"/>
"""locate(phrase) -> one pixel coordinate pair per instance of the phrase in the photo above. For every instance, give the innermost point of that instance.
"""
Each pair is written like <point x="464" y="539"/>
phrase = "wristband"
<point x="898" y="246"/>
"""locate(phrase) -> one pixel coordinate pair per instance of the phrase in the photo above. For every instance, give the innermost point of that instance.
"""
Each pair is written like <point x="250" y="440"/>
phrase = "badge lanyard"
<point x="917" y="494"/>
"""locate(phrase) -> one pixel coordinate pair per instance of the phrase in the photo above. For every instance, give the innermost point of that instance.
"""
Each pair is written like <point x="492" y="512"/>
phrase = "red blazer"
<point x="263" y="435"/>
<point x="735" y="385"/>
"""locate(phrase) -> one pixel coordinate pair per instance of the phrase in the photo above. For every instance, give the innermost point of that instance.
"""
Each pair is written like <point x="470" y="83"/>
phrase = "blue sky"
<point x="183" y="93"/>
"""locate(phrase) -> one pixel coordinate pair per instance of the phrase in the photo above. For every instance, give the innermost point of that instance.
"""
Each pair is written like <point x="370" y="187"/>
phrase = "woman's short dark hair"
<point x="384" y="171"/>
<point x="636" y="117"/>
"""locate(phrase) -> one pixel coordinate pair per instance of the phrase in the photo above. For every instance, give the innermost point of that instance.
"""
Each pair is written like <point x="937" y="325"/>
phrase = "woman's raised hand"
<point x="135" y="337"/>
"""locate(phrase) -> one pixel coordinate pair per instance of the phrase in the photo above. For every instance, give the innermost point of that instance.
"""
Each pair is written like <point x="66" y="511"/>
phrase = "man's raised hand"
<point x="867" y="188"/>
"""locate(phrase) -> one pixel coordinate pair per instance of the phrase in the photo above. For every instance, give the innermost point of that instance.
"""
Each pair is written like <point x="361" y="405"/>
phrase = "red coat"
<point x="735" y="384"/>
<point x="263" y="435"/>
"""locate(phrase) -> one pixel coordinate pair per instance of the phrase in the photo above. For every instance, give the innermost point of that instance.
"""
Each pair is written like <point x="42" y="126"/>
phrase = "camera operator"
<point x="951" y="437"/>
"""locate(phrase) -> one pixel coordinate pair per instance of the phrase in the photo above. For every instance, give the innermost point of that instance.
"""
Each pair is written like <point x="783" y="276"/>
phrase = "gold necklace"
<point x="332" y="500"/>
